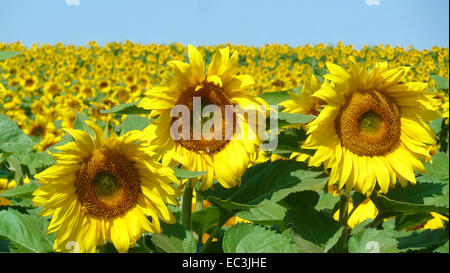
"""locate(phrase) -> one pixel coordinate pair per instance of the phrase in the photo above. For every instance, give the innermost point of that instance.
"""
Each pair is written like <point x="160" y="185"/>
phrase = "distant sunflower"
<point x="40" y="127"/>
<point x="104" y="86"/>
<point x="6" y="185"/>
<point x="306" y="104"/>
<point x="226" y="158"/>
<point x="52" y="88"/>
<point x="373" y="128"/>
<point x="30" y="83"/>
<point x="103" y="189"/>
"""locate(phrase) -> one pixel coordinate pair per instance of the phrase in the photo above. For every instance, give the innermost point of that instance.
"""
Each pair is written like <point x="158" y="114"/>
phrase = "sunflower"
<point x="30" y="83"/>
<point x="104" y="86"/>
<point x="6" y="185"/>
<point x="306" y="104"/>
<point x="103" y="189"/>
<point x="373" y="129"/>
<point x="52" y="88"/>
<point x="40" y="127"/>
<point x="47" y="141"/>
<point x="224" y="158"/>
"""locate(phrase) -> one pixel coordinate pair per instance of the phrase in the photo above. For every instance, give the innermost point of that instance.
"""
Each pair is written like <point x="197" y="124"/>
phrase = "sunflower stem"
<point x="198" y="202"/>
<point x="14" y="166"/>
<point x="186" y="205"/>
<point x="343" y="218"/>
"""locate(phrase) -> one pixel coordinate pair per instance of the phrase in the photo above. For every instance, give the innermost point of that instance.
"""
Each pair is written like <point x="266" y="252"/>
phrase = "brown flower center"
<point x="107" y="183"/>
<point x="369" y="123"/>
<point x="209" y="94"/>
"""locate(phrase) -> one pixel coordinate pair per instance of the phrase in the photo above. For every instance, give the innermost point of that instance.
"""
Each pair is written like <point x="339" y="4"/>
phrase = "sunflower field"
<point x="88" y="161"/>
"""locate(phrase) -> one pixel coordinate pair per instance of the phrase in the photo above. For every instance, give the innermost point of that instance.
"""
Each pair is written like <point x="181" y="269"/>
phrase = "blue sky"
<point x="420" y="23"/>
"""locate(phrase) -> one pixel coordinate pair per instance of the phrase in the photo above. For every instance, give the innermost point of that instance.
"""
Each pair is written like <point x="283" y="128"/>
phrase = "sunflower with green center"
<point x="225" y="158"/>
<point x="104" y="189"/>
<point x="373" y="129"/>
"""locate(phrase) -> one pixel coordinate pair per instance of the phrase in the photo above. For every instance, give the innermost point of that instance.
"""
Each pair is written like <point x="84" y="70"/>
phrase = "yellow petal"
<point x="83" y="139"/>
<point x="381" y="172"/>
<point x="214" y="79"/>
<point x="401" y="167"/>
<point x="99" y="134"/>
<point x="197" y="64"/>
<point x="119" y="234"/>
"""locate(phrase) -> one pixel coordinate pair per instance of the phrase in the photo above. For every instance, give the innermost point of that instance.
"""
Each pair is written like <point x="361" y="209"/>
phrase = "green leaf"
<point x="34" y="211"/>
<point x="234" y="234"/>
<point x="269" y="181"/>
<point x="8" y="54"/>
<point x="388" y="208"/>
<point x="175" y="239"/>
<point x="372" y="241"/>
<point x="437" y="171"/>
<point x="305" y="246"/>
<point x="292" y="118"/>
<point x="436" y="125"/>
<point x="416" y="193"/>
<point x="12" y="139"/>
<point x="312" y="225"/>
<point x="334" y="239"/>
<point x="269" y="214"/>
<point x="415" y="240"/>
<point x="443" y="248"/>
<point x="250" y="238"/>
<point x="288" y="144"/>
<point x="26" y="233"/>
<point x="290" y="140"/>
<point x="326" y="202"/>
<point x="275" y="98"/>
<point x="302" y="199"/>
<point x="433" y="187"/>
<point x="141" y="246"/>
<point x="133" y="122"/>
<point x="4" y="246"/>
<point x="21" y="191"/>
<point x="422" y="239"/>
<point x="405" y="221"/>
<point x="361" y="226"/>
<point x="79" y="123"/>
<point x="126" y="109"/>
<point x="4" y="156"/>
<point x="22" y="202"/>
<point x="186" y="174"/>
<point x="204" y="219"/>
<point x="439" y="200"/>
<point x="441" y="82"/>
<point x="35" y="161"/>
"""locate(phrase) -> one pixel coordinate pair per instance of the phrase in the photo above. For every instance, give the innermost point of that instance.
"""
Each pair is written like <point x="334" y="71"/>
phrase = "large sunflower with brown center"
<point x="373" y="129"/>
<point x="225" y="158"/>
<point x="104" y="189"/>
